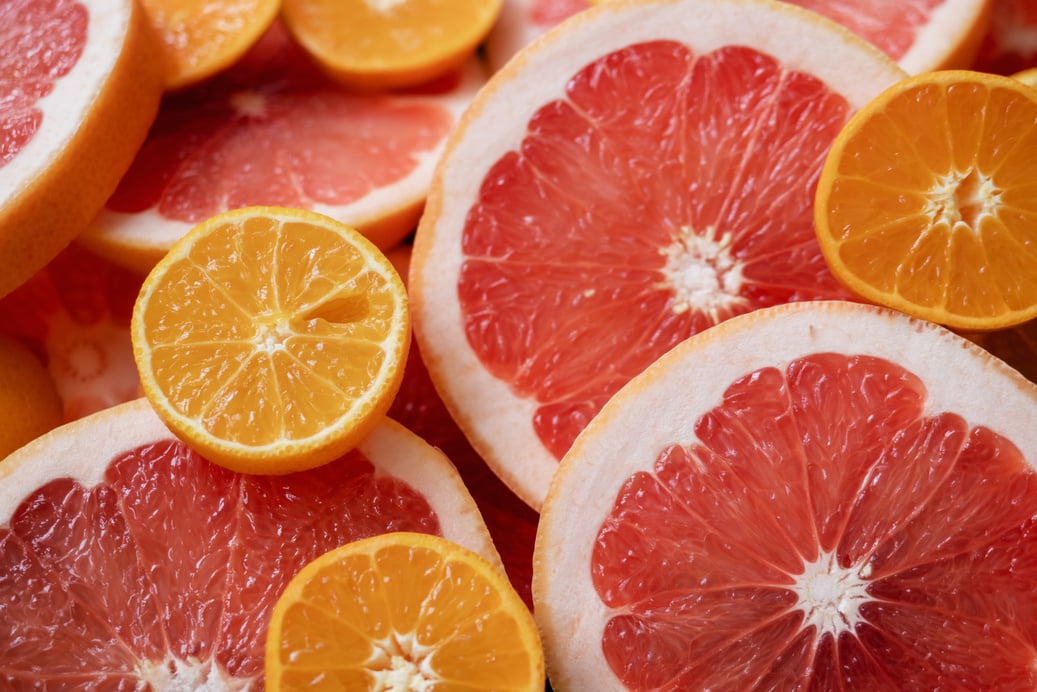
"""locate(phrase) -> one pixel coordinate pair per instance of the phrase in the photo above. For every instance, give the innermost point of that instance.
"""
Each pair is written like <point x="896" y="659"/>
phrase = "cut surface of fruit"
<point x="595" y="207"/>
<point x="1010" y="44"/>
<point x="824" y="495"/>
<point x="75" y="315"/>
<point x="126" y="559"/>
<point x="921" y="35"/>
<point x="80" y="83"/>
<point x="399" y="611"/>
<point x="389" y="44"/>
<point x="927" y="201"/>
<point x="271" y="339"/>
<point x="29" y="402"/>
<point x="200" y="38"/>
<point x="273" y="130"/>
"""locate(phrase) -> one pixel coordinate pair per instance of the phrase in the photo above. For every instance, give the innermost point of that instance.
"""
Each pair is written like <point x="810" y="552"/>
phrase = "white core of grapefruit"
<point x="108" y="22"/>
<point x="496" y="123"/>
<point x="660" y="408"/>
<point x="154" y="233"/>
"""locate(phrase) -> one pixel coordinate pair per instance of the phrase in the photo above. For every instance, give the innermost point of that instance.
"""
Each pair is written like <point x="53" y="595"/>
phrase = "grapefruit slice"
<point x="128" y="560"/>
<point x="275" y="131"/>
<point x="640" y="173"/>
<point x="1010" y="44"/>
<point x="75" y="315"/>
<point x="80" y="82"/>
<point x="811" y="496"/>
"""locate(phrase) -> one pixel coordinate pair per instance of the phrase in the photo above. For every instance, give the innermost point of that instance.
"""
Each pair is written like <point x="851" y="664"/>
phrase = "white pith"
<point x="960" y="199"/>
<point x="703" y="274"/>
<point x="830" y="596"/>
<point x="179" y="675"/>
<point x="401" y="664"/>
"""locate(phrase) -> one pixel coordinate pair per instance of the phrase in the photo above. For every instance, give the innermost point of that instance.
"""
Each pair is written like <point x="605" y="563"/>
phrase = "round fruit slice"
<point x="200" y="38"/>
<point x="402" y="611"/>
<point x="927" y="204"/>
<point x="813" y="496"/>
<point x="75" y="315"/>
<point x="641" y="172"/>
<point x="271" y="340"/>
<point x="127" y="560"/>
<point x="389" y="44"/>
<point x="29" y="402"/>
<point x="273" y="130"/>
<point x="80" y="85"/>
<point x="1010" y="44"/>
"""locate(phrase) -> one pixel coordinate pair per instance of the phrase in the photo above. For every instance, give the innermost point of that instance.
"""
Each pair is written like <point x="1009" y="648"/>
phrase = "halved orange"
<point x="401" y="611"/>
<point x="271" y="339"/>
<point x="29" y="402"/>
<point x="927" y="201"/>
<point x="200" y="38"/>
<point x="389" y="44"/>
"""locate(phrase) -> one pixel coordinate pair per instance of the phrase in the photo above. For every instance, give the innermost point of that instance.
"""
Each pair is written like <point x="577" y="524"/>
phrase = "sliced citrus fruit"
<point x="200" y="38"/>
<point x="402" y="611"/>
<point x="389" y="44"/>
<point x="1010" y="44"/>
<point x="521" y="21"/>
<point x="80" y="82"/>
<point x="813" y="496"/>
<point x="921" y="35"/>
<point x="927" y="200"/>
<point x="511" y="522"/>
<point x="128" y="561"/>
<point x="594" y="208"/>
<point x="1027" y="77"/>
<point x="75" y="315"/>
<point x="29" y="402"/>
<point x="274" y="130"/>
<point x="271" y="339"/>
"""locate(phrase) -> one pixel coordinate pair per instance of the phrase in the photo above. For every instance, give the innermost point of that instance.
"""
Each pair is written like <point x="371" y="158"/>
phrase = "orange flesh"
<point x="928" y="523"/>
<point x="171" y="558"/>
<point x="667" y="191"/>
<point x="941" y="216"/>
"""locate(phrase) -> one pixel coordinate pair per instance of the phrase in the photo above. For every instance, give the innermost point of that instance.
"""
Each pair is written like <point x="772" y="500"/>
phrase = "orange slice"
<point x="80" y="86"/>
<point x="271" y="339"/>
<point x="927" y="200"/>
<point x="200" y="38"/>
<point x="29" y="402"/>
<point x="389" y="44"/>
<point x="1027" y="77"/>
<point x="823" y="496"/>
<point x="402" y="611"/>
<point x="180" y="560"/>
<point x="611" y="192"/>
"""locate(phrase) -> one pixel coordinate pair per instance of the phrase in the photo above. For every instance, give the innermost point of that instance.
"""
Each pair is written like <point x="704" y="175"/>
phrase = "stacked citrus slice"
<point x="642" y="172"/>
<point x="805" y="497"/>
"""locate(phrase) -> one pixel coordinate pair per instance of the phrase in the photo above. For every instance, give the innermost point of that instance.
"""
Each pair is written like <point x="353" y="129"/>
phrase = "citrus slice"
<point x="389" y="44"/>
<point x="926" y="202"/>
<point x="29" y="402"/>
<point x="75" y="315"/>
<point x="521" y="21"/>
<point x="402" y="611"/>
<point x="812" y="496"/>
<point x="1010" y="44"/>
<point x="594" y="208"/>
<point x="1027" y="77"/>
<point x="273" y="130"/>
<point x="271" y="339"/>
<point x="510" y="521"/>
<point x="200" y="38"/>
<point x="80" y="86"/>
<point x="127" y="561"/>
<point x="921" y="35"/>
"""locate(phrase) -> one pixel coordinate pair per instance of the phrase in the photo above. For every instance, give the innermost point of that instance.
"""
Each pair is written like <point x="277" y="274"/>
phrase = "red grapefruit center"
<point x="166" y="571"/>
<point x="683" y="186"/>
<point x="827" y="527"/>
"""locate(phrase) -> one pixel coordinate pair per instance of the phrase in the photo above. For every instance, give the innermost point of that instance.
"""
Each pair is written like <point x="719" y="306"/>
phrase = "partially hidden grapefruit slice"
<point x="75" y="315"/>
<point x="640" y="173"/>
<point x="276" y="131"/>
<point x="824" y="496"/>
<point x="127" y="560"/>
<point x="80" y="83"/>
<point x="521" y="21"/>
<point x="1010" y="44"/>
